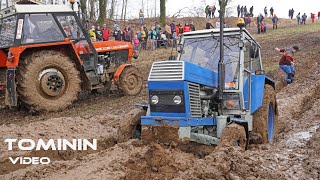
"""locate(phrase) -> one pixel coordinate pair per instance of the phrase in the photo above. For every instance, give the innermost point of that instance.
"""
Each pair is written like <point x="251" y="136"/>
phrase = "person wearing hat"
<point x="286" y="62"/>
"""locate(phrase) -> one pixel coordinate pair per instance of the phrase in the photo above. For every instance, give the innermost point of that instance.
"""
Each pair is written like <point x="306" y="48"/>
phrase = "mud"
<point x="294" y="154"/>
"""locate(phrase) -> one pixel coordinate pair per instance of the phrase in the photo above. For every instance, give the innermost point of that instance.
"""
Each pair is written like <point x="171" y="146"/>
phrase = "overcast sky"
<point x="281" y="7"/>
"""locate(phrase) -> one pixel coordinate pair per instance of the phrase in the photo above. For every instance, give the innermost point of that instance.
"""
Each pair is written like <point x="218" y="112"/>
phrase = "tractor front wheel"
<point x="130" y="81"/>
<point x="265" y="120"/>
<point x="48" y="81"/>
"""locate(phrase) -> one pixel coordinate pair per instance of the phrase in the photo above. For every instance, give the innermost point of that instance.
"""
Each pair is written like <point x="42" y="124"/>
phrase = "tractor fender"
<point x="18" y="51"/>
<point x="118" y="72"/>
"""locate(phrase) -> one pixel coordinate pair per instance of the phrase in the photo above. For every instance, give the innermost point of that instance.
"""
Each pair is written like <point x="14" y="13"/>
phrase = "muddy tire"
<point x="130" y="81"/>
<point x="234" y="135"/>
<point x="265" y="120"/>
<point x="47" y="81"/>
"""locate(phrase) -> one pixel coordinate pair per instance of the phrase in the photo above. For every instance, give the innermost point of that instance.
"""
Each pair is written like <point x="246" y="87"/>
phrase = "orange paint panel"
<point x="105" y="46"/>
<point x="3" y="58"/>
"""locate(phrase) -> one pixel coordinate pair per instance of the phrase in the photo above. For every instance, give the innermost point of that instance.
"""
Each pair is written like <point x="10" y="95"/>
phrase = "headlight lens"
<point x="231" y="102"/>
<point x="177" y="99"/>
<point x="154" y="99"/>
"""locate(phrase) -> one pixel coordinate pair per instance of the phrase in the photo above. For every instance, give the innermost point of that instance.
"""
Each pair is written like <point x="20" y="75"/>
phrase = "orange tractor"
<point x="47" y="58"/>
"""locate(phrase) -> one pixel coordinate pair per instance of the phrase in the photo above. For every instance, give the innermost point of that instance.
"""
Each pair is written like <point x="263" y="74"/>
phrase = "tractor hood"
<point x="182" y="71"/>
<point x="112" y="45"/>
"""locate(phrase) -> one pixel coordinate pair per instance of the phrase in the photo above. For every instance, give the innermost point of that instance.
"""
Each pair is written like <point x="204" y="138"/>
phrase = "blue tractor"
<point x="209" y="101"/>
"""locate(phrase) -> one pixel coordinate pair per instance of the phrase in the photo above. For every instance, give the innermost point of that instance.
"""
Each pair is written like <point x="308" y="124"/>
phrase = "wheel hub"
<point x="52" y="82"/>
<point x="131" y="81"/>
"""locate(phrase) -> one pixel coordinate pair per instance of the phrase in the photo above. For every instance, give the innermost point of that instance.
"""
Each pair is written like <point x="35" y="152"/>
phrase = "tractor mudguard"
<point x="118" y="72"/>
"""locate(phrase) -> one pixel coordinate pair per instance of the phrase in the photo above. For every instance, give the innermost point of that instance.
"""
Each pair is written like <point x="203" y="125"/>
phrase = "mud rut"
<point x="294" y="155"/>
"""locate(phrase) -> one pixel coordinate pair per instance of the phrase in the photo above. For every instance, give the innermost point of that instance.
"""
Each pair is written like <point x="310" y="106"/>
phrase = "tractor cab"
<point x="184" y="93"/>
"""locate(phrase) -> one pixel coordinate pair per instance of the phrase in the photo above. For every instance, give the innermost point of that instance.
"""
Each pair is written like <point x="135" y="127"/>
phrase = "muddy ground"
<point x="294" y="155"/>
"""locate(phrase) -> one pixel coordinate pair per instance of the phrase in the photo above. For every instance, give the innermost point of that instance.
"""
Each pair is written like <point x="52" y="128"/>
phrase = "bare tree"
<point x="92" y="14"/>
<point x="112" y="9"/>
<point x="125" y="9"/>
<point x="163" y="12"/>
<point x="102" y="11"/>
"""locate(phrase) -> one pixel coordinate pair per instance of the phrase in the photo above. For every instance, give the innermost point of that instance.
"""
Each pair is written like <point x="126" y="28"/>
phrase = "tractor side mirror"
<point x="254" y="51"/>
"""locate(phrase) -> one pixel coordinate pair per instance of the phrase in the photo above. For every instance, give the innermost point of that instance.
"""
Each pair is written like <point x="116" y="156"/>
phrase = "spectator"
<point x="180" y="29"/>
<point x="275" y="22"/>
<point x="238" y="10"/>
<point x="241" y="11"/>
<point x="186" y="28"/>
<point x="152" y="34"/>
<point x="271" y="11"/>
<point x="176" y="30"/>
<point x="172" y="26"/>
<point x="304" y="18"/>
<point x="98" y="33"/>
<point x="207" y="11"/>
<point x="259" y="20"/>
<point x="262" y="26"/>
<point x="251" y="11"/>
<point x="115" y="25"/>
<point x="313" y="16"/>
<point x="292" y="12"/>
<point x="265" y="12"/>
<point x="145" y="37"/>
<point x="265" y="27"/>
<point x="210" y="12"/>
<point x="319" y="15"/>
<point x="168" y="31"/>
<point x="193" y="28"/>
<point x="136" y="43"/>
<point x="117" y="34"/>
<point x="286" y="62"/>
<point x="245" y="10"/>
<point x="157" y="28"/>
<point x="213" y="11"/>
<point x="298" y="18"/>
<point x="92" y="34"/>
<point x="247" y="20"/>
<point x="105" y="33"/>
<point x="126" y="35"/>
<point x="141" y="16"/>
<point x="218" y="24"/>
<point x="209" y="25"/>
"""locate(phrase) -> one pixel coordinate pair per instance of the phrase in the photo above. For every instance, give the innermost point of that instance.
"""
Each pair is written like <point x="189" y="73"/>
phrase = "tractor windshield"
<point x="7" y="31"/>
<point x="205" y="52"/>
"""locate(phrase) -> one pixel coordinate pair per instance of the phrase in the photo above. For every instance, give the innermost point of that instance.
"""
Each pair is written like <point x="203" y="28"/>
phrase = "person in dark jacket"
<point x="117" y="34"/>
<point x="304" y="18"/>
<point x="251" y="11"/>
<point x="98" y="33"/>
<point x="298" y="18"/>
<point x="238" y="10"/>
<point x="193" y="28"/>
<point x="259" y="20"/>
<point x="209" y="25"/>
<point x="292" y="13"/>
<point x="286" y="62"/>
<point x="241" y="11"/>
<point x="275" y="21"/>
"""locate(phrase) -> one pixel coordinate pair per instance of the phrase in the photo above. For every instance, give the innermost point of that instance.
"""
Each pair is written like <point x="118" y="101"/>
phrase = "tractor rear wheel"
<point x="130" y="81"/>
<point x="48" y="81"/>
<point x="265" y="120"/>
<point x="234" y="135"/>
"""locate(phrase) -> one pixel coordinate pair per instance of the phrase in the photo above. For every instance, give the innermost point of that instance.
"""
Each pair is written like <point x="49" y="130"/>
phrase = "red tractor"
<point x="47" y="58"/>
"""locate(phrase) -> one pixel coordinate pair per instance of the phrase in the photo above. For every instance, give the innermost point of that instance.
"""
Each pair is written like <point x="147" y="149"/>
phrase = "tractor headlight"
<point x="154" y="99"/>
<point x="177" y="99"/>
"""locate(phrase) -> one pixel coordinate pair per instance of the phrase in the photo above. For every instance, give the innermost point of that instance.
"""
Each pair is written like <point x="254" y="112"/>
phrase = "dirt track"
<point x="295" y="154"/>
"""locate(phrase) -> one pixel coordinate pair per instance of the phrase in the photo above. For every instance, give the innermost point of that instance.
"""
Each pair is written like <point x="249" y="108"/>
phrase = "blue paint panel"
<point x="257" y="91"/>
<point x="182" y="121"/>
<point x="200" y="75"/>
<point x="166" y="85"/>
<point x="165" y="114"/>
<point x="246" y="93"/>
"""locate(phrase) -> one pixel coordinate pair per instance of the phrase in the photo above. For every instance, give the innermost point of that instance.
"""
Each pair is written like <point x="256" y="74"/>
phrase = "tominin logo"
<point x="51" y="144"/>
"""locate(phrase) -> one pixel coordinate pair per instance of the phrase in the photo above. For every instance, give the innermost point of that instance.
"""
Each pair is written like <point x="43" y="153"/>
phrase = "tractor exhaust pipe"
<point x="221" y="65"/>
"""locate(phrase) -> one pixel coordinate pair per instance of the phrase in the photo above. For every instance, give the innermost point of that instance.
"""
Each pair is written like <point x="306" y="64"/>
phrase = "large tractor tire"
<point x="265" y="120"/>
<point x="48" y="81"/>
<point x="130" y="81"/>
<point x="234" y="135"/>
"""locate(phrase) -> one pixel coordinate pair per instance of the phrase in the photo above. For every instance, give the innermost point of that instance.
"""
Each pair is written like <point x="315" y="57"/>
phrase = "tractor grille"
<point x="166" y="71"/>
<point x="194" y="98"/>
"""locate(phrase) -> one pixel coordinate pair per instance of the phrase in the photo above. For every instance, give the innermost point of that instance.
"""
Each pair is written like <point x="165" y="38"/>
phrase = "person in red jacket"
<point x="186" y="28"/>
<point x="176" y="29"/>
<point x="105" y="33"/>
<point x="286" y="62"/>
<point x="319" y="15"/>
<point x="313" y="16"/>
